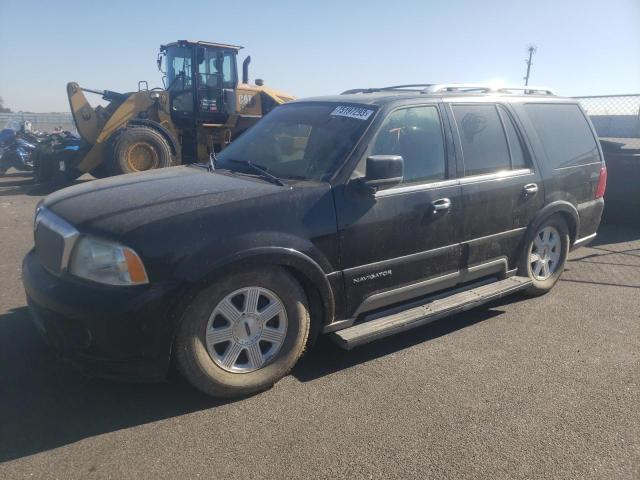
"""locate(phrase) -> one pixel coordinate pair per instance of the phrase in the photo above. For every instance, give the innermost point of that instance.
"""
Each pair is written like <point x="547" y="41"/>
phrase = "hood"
<point x="120" y="204"/>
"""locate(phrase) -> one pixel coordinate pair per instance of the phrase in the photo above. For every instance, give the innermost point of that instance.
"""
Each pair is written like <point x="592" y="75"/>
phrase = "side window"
<point x="518" y="159"/>
<point x="484" y="145"/>
<point x="228" y="70"/>
<point x="415" y="133"/>
<point x="565" y="134"/>
<point x="207" y="68"/>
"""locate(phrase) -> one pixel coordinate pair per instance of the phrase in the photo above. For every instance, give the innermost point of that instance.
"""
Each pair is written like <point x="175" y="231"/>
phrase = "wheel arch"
<point x="303" y="268"/>
<point x="568" y="212"/>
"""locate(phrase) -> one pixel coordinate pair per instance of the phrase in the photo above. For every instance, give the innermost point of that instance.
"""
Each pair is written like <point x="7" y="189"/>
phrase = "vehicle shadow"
<point x="612" y="259"/>
<point x="609" y="234"/>
<point x="326" y="357"/>
<point x="22" y="183"/>
<point x="45" y="403"/>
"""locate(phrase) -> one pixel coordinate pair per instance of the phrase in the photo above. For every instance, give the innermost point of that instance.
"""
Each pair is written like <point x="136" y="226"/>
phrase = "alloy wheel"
<point x="246" y="330"/>
<point x="544" y="253"/>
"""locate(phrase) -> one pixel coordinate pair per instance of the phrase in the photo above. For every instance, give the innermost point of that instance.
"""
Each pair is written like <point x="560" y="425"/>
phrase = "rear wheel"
<point x="244" y="333"/>
<point x="137" y="149"/>
<point x="545" y="255"/>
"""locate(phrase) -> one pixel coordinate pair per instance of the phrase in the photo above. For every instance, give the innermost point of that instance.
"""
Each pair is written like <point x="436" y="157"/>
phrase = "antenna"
<point x="531" y="49"/>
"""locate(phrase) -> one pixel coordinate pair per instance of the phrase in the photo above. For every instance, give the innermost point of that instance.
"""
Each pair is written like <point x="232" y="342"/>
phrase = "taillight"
<point x="602" y="182"/>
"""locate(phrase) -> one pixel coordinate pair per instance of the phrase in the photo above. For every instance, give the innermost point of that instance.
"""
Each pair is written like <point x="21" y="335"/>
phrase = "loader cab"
<point x="201" y="79"/>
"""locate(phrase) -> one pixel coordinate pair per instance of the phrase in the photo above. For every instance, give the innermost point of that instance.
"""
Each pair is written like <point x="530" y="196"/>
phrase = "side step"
<point x="368" y="331"/>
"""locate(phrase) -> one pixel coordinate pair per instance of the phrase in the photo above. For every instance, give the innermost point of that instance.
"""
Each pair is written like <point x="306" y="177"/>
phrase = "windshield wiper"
<point x="260" y="170"/>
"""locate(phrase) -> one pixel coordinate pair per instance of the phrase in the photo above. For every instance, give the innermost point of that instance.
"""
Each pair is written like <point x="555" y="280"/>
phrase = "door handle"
<point x="441" y="205"/>
<point x="530" y="189"/>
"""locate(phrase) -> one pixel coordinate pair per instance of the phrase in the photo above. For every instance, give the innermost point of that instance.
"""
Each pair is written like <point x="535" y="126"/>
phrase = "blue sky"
<point x="314" y="48"/>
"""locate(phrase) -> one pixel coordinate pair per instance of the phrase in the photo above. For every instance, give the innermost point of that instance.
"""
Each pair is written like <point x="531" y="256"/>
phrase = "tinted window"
<point x="416" y="134"/>
<point x="484" y="146"/>
<point x="565" y="134"/>
<point x="518" y="159"/>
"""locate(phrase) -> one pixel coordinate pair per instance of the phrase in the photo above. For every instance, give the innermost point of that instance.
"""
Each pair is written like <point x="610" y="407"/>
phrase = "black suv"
<point x="358" y="216"/>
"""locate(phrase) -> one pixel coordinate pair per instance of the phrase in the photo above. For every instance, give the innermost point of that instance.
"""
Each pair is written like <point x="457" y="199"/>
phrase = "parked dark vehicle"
<point x="357" y="216"/>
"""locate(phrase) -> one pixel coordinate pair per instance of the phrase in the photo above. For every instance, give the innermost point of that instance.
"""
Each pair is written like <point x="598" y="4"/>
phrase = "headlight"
<point x="107" y="262"/>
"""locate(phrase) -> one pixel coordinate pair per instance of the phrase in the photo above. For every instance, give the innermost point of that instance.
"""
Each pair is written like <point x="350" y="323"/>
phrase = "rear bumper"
<point x="123" y="332"/>
<point x="590" y="214"/>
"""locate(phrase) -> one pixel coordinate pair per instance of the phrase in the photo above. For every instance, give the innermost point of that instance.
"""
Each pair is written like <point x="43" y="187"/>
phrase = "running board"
<point x="381" y="327"/>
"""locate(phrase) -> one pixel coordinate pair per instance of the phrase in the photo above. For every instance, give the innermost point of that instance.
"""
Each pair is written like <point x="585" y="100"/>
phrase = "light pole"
<point x="532" y="49"/>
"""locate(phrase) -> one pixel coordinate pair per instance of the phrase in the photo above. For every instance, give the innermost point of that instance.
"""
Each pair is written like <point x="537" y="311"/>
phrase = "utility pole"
<point x="532" y="49"/>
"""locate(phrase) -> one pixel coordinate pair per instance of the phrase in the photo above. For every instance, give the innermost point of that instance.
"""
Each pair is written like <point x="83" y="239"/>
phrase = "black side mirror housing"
<point x="384" y="171"/>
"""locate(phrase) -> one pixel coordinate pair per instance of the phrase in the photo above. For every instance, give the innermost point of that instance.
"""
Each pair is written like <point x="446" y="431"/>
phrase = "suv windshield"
<point x="303" y="141"/>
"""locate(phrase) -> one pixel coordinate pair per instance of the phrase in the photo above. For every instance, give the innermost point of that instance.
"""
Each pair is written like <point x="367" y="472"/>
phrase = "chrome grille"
<point x="54" y="240"/>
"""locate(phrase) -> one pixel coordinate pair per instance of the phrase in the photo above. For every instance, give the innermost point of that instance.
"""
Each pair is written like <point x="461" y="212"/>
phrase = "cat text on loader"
<point x="201" y="110"/>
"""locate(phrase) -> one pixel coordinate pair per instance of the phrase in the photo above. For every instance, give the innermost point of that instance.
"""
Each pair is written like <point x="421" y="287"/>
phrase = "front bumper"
<point x="123" y="332"/>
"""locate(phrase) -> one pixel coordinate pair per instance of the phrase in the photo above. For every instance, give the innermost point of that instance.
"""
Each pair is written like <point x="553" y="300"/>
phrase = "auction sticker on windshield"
<point x="352" y="112"/>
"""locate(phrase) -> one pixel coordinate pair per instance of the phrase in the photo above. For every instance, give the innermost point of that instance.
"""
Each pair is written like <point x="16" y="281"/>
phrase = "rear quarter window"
<point x="565" y="134"/>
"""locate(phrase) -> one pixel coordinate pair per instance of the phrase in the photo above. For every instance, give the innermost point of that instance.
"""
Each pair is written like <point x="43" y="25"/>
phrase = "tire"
<point x="44" y="167"/>
<point x="550" y="242"/>
<point x="226" y="368"/>
<point x="137" y="149"/>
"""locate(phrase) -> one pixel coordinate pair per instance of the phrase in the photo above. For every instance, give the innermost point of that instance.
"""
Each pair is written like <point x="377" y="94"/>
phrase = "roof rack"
<point x="418" y="87"/>
<point x="484" y="88"/>
<point x="456" y="87"/>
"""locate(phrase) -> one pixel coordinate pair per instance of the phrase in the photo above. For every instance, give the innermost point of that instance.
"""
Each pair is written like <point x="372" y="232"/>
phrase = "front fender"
<point x="276" y="256"/>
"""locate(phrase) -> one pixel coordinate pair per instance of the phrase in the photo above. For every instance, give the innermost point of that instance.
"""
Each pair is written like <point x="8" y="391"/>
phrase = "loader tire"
<point x="137" y="149"/>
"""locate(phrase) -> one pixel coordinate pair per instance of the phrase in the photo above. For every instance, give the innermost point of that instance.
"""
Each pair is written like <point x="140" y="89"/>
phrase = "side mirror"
<point x="384" y="171"/>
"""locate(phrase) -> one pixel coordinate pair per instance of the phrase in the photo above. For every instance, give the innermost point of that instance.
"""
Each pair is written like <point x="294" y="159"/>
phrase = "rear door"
<point x="501" y="188"/>
<point x="394" y="244"/>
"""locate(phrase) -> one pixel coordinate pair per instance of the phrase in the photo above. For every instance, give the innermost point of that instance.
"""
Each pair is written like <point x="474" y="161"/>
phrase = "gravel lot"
<point x="524" y="388"/>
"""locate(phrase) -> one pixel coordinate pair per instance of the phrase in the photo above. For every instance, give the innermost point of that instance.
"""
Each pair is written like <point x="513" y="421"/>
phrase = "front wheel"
<point x="244" y="333"/>
<point x="545" y="255"/>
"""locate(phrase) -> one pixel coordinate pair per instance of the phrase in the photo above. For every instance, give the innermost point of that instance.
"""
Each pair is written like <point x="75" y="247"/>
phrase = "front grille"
<point x="54" y="240"/>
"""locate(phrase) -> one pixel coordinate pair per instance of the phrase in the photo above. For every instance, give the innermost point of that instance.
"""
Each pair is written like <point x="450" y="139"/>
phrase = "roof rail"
<point x="484" y="88"/>
<point x="417" y="86"/>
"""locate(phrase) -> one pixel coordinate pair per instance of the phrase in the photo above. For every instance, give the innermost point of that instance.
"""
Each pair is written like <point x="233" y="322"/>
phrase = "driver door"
<point x="402" y="242"/>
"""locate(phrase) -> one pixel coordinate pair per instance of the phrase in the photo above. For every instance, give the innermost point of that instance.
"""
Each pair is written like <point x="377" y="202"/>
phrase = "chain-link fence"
<point x="614" y="116"/>
<point x="44" y="122"/>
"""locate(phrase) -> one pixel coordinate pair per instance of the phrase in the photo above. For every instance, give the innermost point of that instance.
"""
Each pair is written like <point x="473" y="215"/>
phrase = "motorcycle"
<point x="16" y="150"/>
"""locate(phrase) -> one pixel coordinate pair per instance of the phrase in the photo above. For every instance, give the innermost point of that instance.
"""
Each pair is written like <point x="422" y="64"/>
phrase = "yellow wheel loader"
<point x="202" y="108"/>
